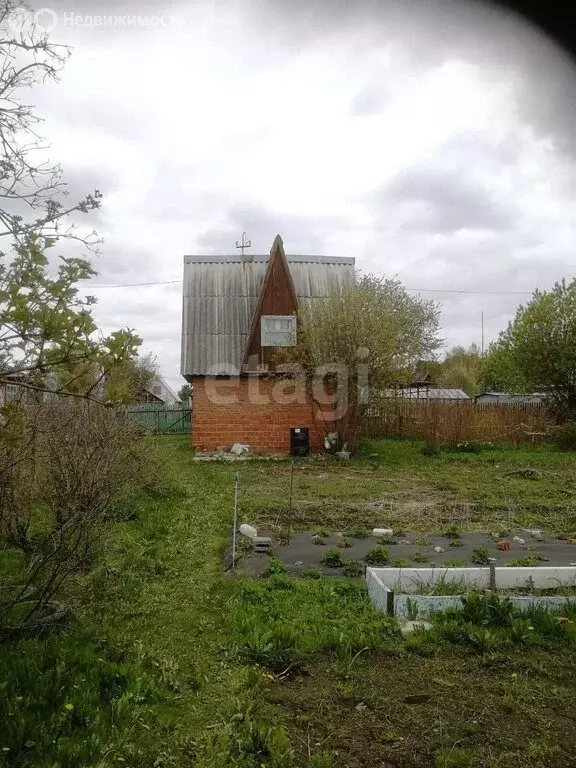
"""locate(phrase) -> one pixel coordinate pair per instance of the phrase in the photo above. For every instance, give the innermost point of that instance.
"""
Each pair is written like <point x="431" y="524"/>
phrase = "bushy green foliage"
<point x="356" y="532"/>
<point x="480" y="556"/>
<point x="278" y="626"/>
<point x="332" y="558"/>
<point x="353" y="569"/>
<point x="489" y="621"/>
<point x="378" y="555"/>
<point x="430" y="450"/>
<point x="564" y="436"/>
<point x="537" y="352"/>
<point x="275" y="567"/>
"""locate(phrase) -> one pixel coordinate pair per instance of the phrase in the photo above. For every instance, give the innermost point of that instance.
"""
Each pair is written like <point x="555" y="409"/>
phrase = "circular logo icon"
<point x="46" y="18"/>
<point x="24" y="22"/>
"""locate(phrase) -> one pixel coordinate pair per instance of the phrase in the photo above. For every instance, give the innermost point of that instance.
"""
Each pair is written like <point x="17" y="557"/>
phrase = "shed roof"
<point x="428" y="393"/>
<point x="220" y="294"/>
<point x="507" y="399"/>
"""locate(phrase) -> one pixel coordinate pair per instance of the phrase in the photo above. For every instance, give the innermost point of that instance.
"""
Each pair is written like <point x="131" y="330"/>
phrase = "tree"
<point x="130" y="378"/>
<point x="537" y="352"/>
<point x="185" y="393"/>
<point x="365" y="338"/>
<point x="62" y="466"/>
<point x="46" y="326"/>
<point x="461" y="369"/>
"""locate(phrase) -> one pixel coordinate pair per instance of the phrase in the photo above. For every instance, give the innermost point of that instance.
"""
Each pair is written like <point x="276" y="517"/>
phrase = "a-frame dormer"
<point x="277" y="297"/>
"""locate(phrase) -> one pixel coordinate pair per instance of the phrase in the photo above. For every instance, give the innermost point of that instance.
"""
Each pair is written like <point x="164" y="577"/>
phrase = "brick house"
<point x="238" y="311"/>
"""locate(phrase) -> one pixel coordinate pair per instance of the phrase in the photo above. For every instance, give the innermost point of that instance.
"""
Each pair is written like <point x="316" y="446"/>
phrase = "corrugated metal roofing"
<point x="220" y="294"/>
<point x="429" y="393"/>
<point x="504" y="398"/>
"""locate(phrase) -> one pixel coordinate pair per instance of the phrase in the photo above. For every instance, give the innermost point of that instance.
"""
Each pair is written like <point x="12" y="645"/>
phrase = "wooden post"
<point x="390" y="603"/>
<point x="492" y="576"/>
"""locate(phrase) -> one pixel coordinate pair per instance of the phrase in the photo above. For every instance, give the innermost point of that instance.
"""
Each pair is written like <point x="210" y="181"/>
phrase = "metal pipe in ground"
<point x="235" y="520"/>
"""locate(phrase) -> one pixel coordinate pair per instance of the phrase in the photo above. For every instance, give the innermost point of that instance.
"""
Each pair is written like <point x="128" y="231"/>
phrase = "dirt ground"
<point x="302" y="554"/>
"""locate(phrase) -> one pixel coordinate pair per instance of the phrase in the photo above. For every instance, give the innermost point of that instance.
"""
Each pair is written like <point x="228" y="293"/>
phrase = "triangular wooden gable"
<point x="277" y="297"/>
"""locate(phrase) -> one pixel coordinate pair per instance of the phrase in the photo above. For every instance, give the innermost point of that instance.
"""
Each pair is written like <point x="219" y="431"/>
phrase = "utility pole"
<point x="482" y="346"/>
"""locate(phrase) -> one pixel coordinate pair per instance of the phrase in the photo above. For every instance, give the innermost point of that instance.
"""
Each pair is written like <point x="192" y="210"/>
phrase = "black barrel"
<point x="299" y="441"/>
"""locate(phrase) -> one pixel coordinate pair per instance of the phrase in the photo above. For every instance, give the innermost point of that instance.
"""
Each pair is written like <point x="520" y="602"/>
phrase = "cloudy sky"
<point x="430" y="141"/>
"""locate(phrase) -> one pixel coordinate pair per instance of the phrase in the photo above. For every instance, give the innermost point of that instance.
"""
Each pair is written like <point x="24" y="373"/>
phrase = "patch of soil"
<point x="406" y="711"/>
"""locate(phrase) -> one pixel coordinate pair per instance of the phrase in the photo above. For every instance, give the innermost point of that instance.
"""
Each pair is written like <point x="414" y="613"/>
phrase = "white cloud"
<point x="423" y="143"/>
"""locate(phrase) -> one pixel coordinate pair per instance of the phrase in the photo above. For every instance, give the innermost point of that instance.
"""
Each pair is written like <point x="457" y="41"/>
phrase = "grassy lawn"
<point x="171" y="663"/>
<point x="393" y="482"/>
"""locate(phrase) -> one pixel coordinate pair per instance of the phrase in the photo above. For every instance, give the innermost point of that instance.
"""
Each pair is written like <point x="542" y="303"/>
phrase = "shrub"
<point x="78" y="467"/>
<point x="564" y="436"/>
<point x="312" y="573"/>
<point x="332" y="558"/>
<point x="480" y="556"/>
<point x="454" y="564"/>
<point x="275" y="567"/>
<point x="418" y="557"/>
<point x="356" y="532"/>
<point x="378" y="555"/>
<point x="430" y="450"/>
<point x="353" y="568"/>
<point x="530" y="558"/>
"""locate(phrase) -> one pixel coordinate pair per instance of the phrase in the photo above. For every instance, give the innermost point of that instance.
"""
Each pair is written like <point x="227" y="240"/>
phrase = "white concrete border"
<point x="405" y="582"/>
<point x="410" y="580"/>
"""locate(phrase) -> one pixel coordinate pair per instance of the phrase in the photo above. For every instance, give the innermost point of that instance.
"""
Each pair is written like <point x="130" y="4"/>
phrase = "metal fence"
<point x="158" y="419"/>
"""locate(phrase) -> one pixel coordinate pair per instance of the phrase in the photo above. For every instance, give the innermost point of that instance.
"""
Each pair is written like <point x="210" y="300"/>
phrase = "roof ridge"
<point x="294" y="258"/>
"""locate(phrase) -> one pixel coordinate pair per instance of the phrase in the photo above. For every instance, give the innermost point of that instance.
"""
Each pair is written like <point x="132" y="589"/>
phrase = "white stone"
<point x="518" y="540"/>
<point x="382" y="532"/>
<point x="248" y="530"/>
<point x="239" y="448"/>
<point x="438" y="550"/>
<point x="414" y="626"/>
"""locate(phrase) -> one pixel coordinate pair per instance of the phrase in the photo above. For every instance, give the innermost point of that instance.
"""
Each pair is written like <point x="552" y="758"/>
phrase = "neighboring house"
<point x="431" y="392"/>
<point x="502" y="398"/>
<point x="9" y="393"/>
<point x="12" y="390"/>
<point x="158" y="391"/>
<point x="237" y="312"/>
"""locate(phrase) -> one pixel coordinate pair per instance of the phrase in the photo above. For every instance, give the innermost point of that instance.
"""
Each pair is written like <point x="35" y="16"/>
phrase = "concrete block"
<point x="541" y="577"/>
<point x="382" y="532"/>
<point x="409" y="580"/>
<point x="248" y="530"/>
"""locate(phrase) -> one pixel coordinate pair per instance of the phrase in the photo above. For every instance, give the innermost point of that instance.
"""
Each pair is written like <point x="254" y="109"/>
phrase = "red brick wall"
<point x="255" y="411"/>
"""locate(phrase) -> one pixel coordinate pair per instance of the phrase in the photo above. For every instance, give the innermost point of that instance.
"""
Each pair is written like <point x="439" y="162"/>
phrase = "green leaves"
<point x="537" y="352"/>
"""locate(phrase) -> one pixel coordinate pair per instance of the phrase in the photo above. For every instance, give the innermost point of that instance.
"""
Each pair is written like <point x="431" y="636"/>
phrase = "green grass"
<point x="408" y="491"/>
<point x="170" y="663"/>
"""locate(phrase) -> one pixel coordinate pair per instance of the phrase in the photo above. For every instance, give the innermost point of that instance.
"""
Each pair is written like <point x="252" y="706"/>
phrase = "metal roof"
<point x="220" y="294"/>
<point x="505" y="398"/>
<point x="429" y="393"/>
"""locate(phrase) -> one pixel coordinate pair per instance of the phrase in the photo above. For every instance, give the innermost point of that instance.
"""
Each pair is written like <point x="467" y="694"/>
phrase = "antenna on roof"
<point x="243" y="243"/>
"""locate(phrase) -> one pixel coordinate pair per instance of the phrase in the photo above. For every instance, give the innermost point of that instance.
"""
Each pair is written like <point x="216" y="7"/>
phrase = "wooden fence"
<point x="459" y="422"/>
